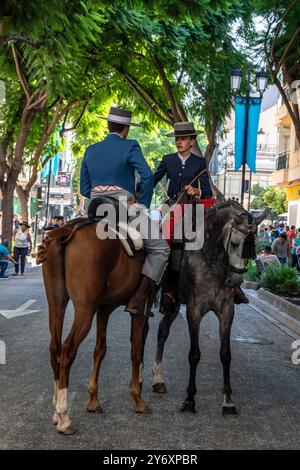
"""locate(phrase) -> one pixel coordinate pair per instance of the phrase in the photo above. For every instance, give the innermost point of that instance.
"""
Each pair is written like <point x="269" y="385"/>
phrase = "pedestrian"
<point x="268" y="258"/>
<point x="294" y="256"/>
<point x="275" y="231"/>
<point x="16" y="222"/>
<point x="23" y="242"/>
<point x="4" y="259"/>
<point x="281" y="228"/>
<point x="60" y="221"/>
<point x="280" y="248"/>
<point x="291" y="234"/>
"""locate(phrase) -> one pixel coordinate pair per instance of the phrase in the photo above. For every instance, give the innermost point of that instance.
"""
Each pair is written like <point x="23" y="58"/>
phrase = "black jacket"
<point x="180" y="175"/>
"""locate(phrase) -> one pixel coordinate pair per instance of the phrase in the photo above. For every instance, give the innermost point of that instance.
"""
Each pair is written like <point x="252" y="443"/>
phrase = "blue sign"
<point x="240" y="121"/>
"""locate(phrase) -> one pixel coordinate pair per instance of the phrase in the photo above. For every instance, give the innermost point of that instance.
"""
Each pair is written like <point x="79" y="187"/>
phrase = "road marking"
<point x="20" y="311"/>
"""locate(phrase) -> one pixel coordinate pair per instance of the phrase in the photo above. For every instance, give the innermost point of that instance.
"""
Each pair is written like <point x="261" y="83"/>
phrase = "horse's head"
<point x="239" y="241"/>
<point x="235" y="239"/>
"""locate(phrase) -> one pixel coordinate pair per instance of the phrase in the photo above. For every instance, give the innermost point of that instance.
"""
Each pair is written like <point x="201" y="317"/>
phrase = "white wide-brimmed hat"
<point x="120" y="116"/>
<point x="182" y="129"/>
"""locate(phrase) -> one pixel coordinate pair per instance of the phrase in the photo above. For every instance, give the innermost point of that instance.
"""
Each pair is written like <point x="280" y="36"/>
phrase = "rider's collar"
<point x="183" y="158"/>
<point x="115" y="133"/>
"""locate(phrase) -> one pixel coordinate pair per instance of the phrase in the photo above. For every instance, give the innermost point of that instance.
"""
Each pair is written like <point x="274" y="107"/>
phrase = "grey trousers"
<point x="157" y="248"/>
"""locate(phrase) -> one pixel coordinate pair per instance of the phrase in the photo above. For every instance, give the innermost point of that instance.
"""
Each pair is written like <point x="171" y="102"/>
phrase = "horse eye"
<point x="234" y="245"/>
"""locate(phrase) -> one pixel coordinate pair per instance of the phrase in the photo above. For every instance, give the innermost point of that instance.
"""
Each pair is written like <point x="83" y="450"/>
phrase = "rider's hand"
<point x="131" y="202"/>
<point x="191" y="191"/>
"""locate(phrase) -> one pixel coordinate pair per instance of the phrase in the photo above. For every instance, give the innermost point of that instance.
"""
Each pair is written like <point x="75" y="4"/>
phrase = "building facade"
<point x="287" y="172"/>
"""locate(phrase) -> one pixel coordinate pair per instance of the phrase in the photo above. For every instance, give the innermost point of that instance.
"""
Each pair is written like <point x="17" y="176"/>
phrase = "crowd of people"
<point x="22" y="242"/>
<point x="280" y="244"/>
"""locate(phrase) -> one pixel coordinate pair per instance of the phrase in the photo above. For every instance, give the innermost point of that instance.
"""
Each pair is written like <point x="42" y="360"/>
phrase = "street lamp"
<point x="247" y="100"/>
<point x="225" y="161"/>
<point x="261" y="81"/>
<point x="236" y="78"/>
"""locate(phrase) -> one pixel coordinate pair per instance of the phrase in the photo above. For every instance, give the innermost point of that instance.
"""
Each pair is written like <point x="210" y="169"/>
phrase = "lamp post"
<point x="225" y="160"/>
<point x="247" y="100"/>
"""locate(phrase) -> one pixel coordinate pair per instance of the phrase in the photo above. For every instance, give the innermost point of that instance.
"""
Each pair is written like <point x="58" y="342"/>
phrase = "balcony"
<point x="282" y="161"/>
<point x="280" y="177"/>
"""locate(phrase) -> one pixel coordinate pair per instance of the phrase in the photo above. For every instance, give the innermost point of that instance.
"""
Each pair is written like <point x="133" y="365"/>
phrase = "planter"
<point x="250" y="285"/>
<point x="280" y="303"/>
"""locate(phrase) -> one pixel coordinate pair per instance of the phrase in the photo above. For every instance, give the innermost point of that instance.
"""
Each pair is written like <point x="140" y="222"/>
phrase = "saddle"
<point x="129" y="237"/>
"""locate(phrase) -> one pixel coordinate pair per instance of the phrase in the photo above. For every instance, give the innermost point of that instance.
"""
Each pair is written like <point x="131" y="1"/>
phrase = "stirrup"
<point x="145" y="310"/>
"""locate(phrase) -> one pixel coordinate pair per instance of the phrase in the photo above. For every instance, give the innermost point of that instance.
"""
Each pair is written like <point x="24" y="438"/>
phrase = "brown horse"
<point x="98" y="277"/>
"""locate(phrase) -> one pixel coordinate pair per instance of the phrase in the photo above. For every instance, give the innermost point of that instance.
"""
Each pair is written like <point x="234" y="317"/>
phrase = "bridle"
<point x="246" y="232"/>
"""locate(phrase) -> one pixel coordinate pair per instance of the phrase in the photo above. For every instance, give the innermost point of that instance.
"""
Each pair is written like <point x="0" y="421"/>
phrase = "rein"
<point x="180" y="196"/>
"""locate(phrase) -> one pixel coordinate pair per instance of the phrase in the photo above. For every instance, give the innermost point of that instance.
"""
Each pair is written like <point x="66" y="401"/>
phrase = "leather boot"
<point x="140" y="302"/>
<point x="239" y="296"/>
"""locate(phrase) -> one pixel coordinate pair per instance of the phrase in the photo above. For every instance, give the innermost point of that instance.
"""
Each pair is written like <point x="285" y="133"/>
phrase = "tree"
<point x="278" y="45"/>
<point x="269" y="197"/>
<point x="258" y="192"/>
<point x="174" y="67"/>
<point x="46" y="78"/>
<point x="276" y="199"/>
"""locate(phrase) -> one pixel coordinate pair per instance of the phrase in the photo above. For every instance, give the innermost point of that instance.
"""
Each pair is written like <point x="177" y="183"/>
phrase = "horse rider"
<point x="108" y="169"/>
<point x="186" y="172"/>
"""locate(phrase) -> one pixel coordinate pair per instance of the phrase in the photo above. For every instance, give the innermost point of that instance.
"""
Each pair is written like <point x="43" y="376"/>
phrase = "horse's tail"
<point x="60" y="235"/>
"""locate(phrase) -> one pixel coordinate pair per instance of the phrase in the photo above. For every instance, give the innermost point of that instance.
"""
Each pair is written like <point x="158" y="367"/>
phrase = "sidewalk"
<point x="285" y="318"/>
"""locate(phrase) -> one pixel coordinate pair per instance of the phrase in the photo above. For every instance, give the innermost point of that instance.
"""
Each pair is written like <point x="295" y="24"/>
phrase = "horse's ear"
<point x="258" y="219"/>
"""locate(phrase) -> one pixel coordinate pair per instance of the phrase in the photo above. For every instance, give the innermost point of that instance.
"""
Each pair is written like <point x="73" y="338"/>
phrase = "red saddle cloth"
<point x="169" y="224"/>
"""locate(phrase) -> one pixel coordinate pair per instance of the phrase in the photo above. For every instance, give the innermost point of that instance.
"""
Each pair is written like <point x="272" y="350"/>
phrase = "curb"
<point x="275" y="311"/>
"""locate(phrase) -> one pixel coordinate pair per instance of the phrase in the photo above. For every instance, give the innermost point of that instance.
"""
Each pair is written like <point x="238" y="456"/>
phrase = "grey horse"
<point x="207" y="279"/>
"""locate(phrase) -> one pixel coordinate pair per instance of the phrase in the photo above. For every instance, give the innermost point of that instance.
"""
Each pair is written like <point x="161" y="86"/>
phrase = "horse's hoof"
<point x="159" y="388"/>
<point x="68" y="431"/>
<point x="145" y="411"/>
<point x="97" y="409"/>
<point x="229" y="411"/>
<point x="188" y="406"/>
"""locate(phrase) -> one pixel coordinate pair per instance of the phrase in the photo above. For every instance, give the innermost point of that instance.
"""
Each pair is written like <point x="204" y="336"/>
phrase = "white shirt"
<point x="270" y="260"/>
<point x="21" y="239"/>
<point x="182" y="158"/>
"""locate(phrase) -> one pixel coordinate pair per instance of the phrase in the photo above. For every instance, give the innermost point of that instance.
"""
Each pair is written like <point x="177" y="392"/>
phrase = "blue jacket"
<point x="113" y="161"/>
<point x="180" y="175"/>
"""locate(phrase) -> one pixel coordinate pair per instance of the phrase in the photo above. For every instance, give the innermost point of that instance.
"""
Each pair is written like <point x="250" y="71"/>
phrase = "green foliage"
<point x="252" y="273"/>
<point x="283" y="280"/>
<point x="274" y="198"/>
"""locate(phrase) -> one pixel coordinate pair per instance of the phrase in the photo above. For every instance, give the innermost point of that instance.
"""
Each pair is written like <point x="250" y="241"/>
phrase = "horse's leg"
<point x="226" y="319"/>
<point x="162" y="335"/>
<point x="137" y="328"/>
<point x="93" y="403"/>
<point x="56" y="319"/>
<point x="193" y="318"/>
<point x="144" y="338"/>
<point x="81" y="325"/>
<point x="58" y="298"/>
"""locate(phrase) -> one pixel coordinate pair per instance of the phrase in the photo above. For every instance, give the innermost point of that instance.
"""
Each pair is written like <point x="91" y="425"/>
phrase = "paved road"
<point x="266" y="384"/>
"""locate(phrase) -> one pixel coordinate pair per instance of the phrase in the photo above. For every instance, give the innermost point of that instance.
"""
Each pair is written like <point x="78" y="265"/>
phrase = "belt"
<point x="106" y="188"/>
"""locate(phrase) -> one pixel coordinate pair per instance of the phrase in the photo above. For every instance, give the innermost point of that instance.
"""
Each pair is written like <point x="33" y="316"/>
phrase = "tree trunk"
<point x="24" y="198"/>
<point x="7" y="214"/>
